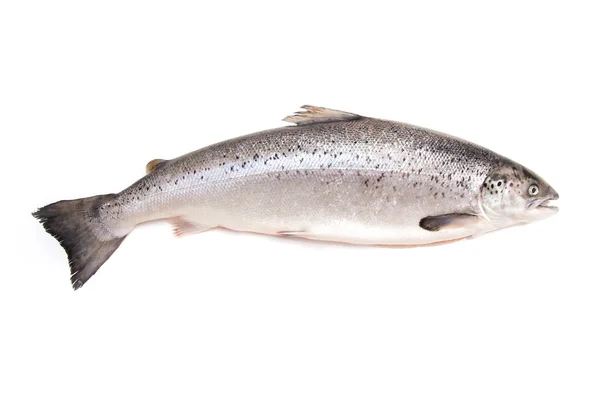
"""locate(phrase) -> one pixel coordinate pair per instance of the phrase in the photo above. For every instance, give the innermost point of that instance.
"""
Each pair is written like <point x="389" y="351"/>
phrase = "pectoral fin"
<point x="448" y="221"/>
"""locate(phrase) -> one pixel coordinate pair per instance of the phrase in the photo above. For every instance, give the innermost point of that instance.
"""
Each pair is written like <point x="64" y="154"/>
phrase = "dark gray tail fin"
<point x="75" y="224"/>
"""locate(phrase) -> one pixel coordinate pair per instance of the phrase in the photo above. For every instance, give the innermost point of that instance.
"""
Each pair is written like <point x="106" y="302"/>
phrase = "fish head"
<point x="512" y="194"/>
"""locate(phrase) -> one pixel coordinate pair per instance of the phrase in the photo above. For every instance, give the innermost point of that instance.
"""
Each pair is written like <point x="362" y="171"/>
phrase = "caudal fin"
<point x="77" y="227"/>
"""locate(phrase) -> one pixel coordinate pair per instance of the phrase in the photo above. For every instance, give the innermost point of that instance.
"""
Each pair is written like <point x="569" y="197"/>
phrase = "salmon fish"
<point x="333" y="176"/>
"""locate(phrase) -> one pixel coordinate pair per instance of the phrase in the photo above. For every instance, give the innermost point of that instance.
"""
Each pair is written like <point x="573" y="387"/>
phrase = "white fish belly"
<point x="343" y="206"/>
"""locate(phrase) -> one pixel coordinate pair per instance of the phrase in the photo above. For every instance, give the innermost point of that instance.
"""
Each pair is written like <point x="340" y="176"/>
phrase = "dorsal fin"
<point x="319" y="115"/>
<point x="152" y="165"/>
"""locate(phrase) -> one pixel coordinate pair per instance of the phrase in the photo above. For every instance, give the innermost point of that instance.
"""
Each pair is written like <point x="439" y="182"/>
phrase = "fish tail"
<point x="80" y="230"/>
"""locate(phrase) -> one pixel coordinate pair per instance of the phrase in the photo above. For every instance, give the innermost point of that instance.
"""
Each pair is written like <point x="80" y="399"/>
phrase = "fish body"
<point x="333" y="176"/>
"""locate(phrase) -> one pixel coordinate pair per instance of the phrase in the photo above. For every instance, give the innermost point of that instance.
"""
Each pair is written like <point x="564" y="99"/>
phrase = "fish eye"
<point x="533" y="189"/>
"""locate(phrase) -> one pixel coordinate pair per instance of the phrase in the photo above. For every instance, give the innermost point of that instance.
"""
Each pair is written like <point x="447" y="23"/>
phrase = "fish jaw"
<point x="542" y="208"/>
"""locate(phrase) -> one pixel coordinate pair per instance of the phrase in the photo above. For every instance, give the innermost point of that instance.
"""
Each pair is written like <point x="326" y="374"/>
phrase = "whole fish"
<point x="332" y="176"/>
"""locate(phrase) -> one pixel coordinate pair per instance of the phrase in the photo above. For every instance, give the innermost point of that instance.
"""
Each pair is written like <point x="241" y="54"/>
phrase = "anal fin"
<point x="448" y="221"/>
<point x="184" y="227"/>
<point x="292" y="233"/>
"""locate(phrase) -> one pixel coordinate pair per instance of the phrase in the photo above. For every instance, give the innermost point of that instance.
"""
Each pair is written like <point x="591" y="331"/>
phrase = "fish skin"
<point x="337" y="177"/>
<point x="377" y="178"/>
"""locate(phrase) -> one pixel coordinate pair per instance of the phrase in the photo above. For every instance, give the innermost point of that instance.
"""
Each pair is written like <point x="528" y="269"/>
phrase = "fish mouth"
<point x="544" y="203"/>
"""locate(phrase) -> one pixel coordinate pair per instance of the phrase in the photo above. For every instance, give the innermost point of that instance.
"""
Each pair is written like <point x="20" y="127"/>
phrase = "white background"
<point x="91" y="91"/>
